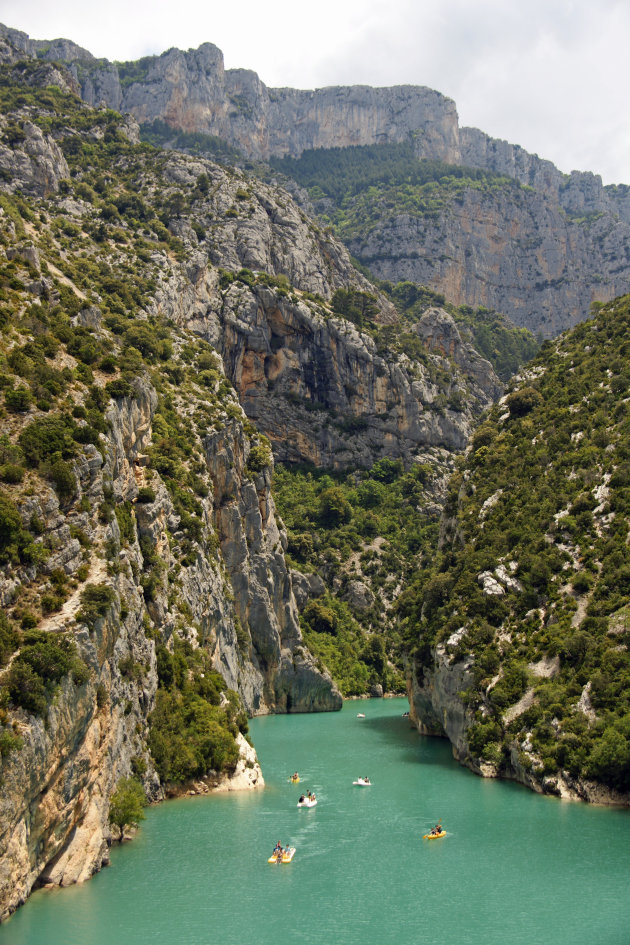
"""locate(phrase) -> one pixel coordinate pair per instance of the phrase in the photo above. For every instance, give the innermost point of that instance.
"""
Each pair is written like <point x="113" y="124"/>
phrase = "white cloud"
<point x="549" y="75"/>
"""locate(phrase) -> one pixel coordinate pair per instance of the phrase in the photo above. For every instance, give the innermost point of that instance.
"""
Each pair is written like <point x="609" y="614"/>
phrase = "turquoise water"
<point x="514" y="868"/>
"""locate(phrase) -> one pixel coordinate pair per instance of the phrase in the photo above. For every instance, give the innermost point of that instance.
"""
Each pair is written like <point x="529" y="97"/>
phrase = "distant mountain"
<point x="520" y="237"/>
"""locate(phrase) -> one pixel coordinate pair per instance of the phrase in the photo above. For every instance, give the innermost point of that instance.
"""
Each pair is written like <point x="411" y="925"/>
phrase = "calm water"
<point x="514" y="869"/>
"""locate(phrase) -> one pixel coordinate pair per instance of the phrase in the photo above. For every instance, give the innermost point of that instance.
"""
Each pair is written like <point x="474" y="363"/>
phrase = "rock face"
<point x="540" y="253"/>
<point x="37" y="167"/>
<point x="56" y="789"/>
<point x="514" y="250"/>
<point x="192" y="91"/>
<point x="319" y="388"/>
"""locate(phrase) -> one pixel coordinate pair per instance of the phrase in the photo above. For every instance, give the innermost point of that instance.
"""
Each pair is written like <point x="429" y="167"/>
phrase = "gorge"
<point x="171" y="328"/>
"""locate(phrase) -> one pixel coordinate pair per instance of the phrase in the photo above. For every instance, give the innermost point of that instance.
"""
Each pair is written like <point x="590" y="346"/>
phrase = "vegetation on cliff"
<point x="78" y="271"/>
<point x="530" y="586"/>
<point x="365" y="533"/>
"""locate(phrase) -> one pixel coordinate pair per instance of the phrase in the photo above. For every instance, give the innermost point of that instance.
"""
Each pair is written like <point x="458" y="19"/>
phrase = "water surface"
<point x="515" y="868"/>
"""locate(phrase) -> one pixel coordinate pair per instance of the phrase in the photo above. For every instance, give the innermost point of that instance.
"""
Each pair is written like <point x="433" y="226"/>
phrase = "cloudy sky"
<point x="550" y="75"/>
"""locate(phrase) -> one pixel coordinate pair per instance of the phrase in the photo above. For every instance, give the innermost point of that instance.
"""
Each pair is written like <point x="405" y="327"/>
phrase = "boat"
<point x="360" y="715"/>
<point x="287" y="856"/>
<point x="362" y="782"/>
<point x="294" y="780"/>
<point x="434" y="836"/>
<point x="308" y="802"/>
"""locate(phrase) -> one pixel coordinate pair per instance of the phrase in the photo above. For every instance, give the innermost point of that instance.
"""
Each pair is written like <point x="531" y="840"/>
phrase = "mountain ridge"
<point x="569" y="239"/>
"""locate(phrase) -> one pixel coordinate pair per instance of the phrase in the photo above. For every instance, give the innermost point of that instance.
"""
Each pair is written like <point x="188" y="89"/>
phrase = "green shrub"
<point x="18" y="400"/>
<point x="146" y="495"/>
<point x="63" y="478"/>
<point x="42" y="438"/>
<point x="11" y="473"/>
<point x="522" y="401"/>
<point x="119" y="389"/>
<point x="126" y="804"/>
<point x="9" y="638"/>
<point x="9" y="742"/>
<point x="320" y="618"/>
<point x="96" y="599"/>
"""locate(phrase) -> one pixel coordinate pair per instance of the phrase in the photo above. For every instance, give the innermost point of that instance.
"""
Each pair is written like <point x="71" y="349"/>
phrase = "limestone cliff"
<point x="508" y="248"/>
<point x="56" y="789"/>
<point x="567" y="240"/>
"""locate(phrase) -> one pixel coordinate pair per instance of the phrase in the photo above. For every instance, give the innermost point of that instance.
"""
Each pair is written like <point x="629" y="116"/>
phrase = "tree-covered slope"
<point x="528" y="600"/>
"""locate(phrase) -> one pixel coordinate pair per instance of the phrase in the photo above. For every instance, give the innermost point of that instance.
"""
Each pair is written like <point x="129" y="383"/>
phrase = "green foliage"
<point x="63" y="478"/>
<point x="358" y="307"/>
<point x="42" y="662"/>
<point x="343" y="172"/>
<point x="126" y="804"/>
<point x="260" y="457"/>
<point x="522" y="401"/>
<point x="9" y="638"/>
<point x="9" y="742"/>
<point x="16" y="542"/>
<point x="43" y="438"/>
<point x="191" y="734"/>
<point x="160" y="134"/>
<point x="528" y="503"/>
<point x="18" y="400"/>
<point x="371" y="520"/>
<point x="96" y="599"/>
<point x="492" y="334"/>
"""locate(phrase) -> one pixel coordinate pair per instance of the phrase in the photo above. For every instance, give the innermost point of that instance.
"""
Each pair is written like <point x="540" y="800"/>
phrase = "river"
<point x="514" y="868"/>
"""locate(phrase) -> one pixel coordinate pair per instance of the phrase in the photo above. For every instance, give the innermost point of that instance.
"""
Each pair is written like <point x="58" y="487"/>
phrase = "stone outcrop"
<point x="37" y="166"/>
<point x="319" y="388"/>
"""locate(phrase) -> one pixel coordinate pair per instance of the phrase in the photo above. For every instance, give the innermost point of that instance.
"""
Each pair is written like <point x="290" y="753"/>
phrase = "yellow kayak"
<point x="287" y="856"/>
<point x="434" y="836"/>
<point x="294" y="780"/>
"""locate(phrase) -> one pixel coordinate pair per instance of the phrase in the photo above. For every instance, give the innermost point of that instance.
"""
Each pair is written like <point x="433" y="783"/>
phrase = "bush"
<point x="63" y="478"/>
<point x="189" y="737"/>
<point x="9" y="742"/>
<point x="11" y="473"/>
<point x="18" y="400"/>
<point x="146" y="495"/>
<point x="9" y="638"/>
<point x="26" y="688"/>
<point x="126" y="804"/>
<point x="522" y="401"/>
<point x="41" y="439"/>
<point x="320" y="618"/>
<point x="119" y="389"/>
<point x="96" y="600"/>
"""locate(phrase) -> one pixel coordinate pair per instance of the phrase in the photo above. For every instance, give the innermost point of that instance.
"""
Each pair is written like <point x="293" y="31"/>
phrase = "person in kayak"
<point x="302" y="799"/>
<point x="436" y="830"/>
<point x="277" y="849"/>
